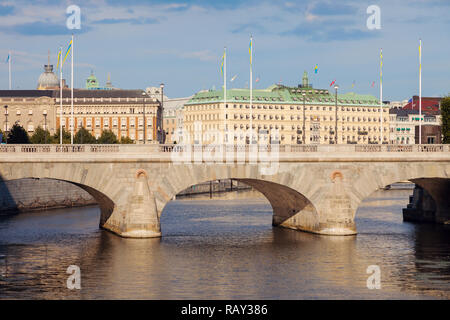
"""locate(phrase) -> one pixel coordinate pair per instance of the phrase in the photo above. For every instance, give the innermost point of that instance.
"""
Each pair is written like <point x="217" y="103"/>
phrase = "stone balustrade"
<point x="156" y="148"/>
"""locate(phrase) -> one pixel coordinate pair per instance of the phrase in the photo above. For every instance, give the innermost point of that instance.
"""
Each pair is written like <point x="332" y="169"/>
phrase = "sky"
<point x="180" y="43"/>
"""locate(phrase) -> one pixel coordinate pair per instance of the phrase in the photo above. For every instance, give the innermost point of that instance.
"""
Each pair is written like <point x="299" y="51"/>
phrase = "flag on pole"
<point x="232" y="79"/>
<point x="59" y="58"/>
<point x="250" y="49"/>
<point x="353" y="84"/>
<point x="332" y="82"/>
<point x="316" y="68"/>
<point x="67" y="52"/>
<point x="257" y="79"/>
<point x="420" y="55"/>
<point x="7" y="59"/>
<point x="373" y="84"/>
<point x="381" y="66"/>
<point x="223" y="61"/>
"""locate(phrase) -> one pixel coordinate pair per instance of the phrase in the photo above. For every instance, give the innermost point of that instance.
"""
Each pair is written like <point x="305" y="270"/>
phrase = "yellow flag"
<point x="67" y="52"/>
<point x="59" y="59"/>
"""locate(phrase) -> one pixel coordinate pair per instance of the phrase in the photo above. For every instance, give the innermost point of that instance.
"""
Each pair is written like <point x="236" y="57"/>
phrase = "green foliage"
<point x="41" y="136"/>
<point x="445" y="116"/>
<point x="126" y="140"/>
<point x="18" y="135"/>
<point x="107" y="137"/>
<point x="83" y="136"/>
<point x="65" y="135"/>
<point x="3" y="139"/>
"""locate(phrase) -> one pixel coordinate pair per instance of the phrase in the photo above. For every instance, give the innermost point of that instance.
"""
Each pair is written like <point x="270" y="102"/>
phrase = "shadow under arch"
<point x="290" y="208"/>
<point x="104" y="202"/>
<point x="430" y="201"/>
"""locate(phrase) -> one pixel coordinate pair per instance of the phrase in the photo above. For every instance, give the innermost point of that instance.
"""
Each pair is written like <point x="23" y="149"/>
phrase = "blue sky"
<point x="143" y="43"/>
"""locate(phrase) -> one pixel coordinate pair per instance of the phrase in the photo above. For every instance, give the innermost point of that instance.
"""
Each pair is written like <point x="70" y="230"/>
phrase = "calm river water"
<point x="224" y="249"/>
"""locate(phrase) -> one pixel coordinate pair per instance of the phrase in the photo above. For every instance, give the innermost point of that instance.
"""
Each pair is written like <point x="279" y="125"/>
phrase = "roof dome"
<point x="92" y="82"/>
<point x="48" y="79"/>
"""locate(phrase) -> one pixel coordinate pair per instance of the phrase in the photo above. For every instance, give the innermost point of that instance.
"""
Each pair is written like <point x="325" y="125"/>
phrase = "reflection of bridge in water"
<point x="315" y="188"/>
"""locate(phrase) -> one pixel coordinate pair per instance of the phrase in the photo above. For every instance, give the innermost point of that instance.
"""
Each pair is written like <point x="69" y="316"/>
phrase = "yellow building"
<point x="290" y="115"/>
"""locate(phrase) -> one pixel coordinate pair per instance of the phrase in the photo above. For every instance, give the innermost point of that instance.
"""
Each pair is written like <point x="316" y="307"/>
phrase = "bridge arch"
<point x="290" y="208"/>
<point x="435" y="179"/>
<point x="288" y="193"/>
<point x="105" y="203"/>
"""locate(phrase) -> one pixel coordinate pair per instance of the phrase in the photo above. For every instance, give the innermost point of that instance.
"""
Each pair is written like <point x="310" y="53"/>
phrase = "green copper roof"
<point x="283" y="95"/>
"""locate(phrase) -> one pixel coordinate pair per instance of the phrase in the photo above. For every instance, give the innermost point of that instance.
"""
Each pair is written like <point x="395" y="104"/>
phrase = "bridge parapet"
<point x="157" y="148"/>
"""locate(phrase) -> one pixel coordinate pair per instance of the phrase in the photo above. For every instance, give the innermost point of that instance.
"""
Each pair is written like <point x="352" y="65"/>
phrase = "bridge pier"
<point x="135" y="213"/>
<point x="432" y="204"/>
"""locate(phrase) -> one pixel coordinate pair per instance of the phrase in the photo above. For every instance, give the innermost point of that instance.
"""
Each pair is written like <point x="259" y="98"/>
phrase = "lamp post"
<point x="163" y="136"/>
<point x="6" y="124"/>
<point x="336" y="87"/>
<point x="304" y="119"/>
<point x="45" y="126"/>
<point x="143" y="114"/>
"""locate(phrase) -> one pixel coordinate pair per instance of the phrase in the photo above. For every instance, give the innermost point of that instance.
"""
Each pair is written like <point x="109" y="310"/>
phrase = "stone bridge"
<point x="314" y="188"/>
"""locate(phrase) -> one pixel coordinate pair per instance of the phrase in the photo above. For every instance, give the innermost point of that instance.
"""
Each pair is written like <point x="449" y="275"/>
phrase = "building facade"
<point x="285" y="115"/>
<point x="127" y="113"/>
<point x="28" y="108"/>
<point x="404" y="126"/>
<point x="173" y="119"/>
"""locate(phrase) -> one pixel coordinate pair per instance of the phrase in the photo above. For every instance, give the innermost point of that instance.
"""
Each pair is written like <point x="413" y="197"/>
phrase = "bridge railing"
<point x="157" y="148"/>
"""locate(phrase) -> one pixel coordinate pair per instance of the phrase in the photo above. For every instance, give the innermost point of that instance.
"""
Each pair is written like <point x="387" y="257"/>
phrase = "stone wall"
<point x="40" y="194"/>
<point x="421" y="207"/>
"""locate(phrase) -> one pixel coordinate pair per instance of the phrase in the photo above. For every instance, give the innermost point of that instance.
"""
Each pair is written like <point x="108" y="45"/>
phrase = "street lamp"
<point x="336" y="87"/>
<point x="163" y="137"/>
<point x="6" y="124"/>
<point x="45" y="126"/>
<point x="143" y="113"/>
<point x="304" y="119"/>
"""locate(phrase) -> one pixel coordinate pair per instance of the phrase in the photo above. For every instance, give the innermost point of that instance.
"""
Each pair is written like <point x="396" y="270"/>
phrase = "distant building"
<point x="430" y="105"/>
<point x="48" y="80"/>
<point x="95" y="108"/>
<point x="173" y="119"/>
<point x="404" y="124"/>
<point x="93" y="84"/>
<point x="396" y="104"/>
<point x="120" y="111"/>
<point x="29" y="108"/>
<point x="279" y="111"/>
<point x="430" y="134"/>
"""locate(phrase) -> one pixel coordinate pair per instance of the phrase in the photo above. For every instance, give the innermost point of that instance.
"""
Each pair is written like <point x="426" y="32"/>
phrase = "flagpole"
<point x="381" y="96"/>
<point x="60" y="97"/>
<point x="251" y="89"/>
<point x="71" y="104"/>
<point x="420" y="91"/>
<point x="9" y="67"/>
<point x="225" y="89"/>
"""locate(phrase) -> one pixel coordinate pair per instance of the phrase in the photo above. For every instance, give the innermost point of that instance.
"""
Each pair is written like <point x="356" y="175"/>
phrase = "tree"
<point x="126" y="140"/>
<point x="18" y="135"/>
<point x="66" y="137"/>
<point x="3" y="138"/>
<point x="41" y="136"/>
<point x="107" y="137"/>
<point x="83" y="136"/>
<point x="445" y="116"/>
